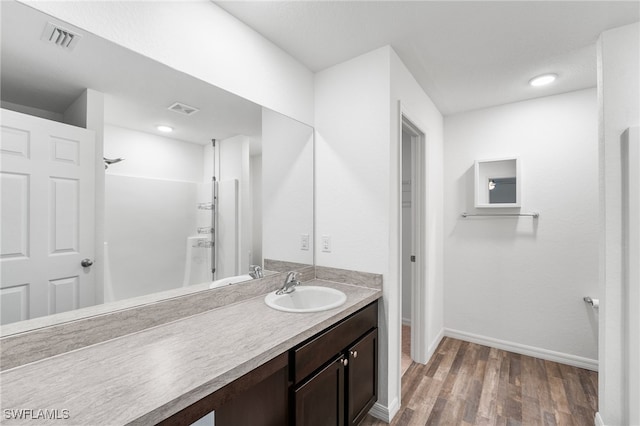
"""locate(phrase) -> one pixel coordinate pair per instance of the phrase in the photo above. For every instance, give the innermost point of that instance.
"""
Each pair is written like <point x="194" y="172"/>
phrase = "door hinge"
<point x="412" y="258"/>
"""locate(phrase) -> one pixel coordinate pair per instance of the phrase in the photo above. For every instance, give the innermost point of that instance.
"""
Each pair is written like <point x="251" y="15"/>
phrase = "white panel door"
<point x="47" y="205"/>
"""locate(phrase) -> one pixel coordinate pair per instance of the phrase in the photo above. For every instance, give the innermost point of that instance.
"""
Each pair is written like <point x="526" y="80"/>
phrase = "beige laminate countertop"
<point x="145" y="377"/>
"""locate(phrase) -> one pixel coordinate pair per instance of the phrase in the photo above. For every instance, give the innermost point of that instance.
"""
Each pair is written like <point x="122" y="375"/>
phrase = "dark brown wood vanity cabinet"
<point x="259" y="398"/>
<point x="362" y="375"/>
<point x="320" y="399"/>
<point x="330" y="379"/>
<point x="334" y="374"/>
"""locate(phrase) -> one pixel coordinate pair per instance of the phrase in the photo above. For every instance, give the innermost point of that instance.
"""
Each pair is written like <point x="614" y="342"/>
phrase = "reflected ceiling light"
<point x="165" y="129"/>
<point x="543" y="80"/>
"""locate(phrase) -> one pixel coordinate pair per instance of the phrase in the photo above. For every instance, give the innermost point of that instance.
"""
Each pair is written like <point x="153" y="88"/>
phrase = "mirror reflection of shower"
<point x="210" y="241"/>
<point x="179" y="213"/>
<point x="110" y="161"/>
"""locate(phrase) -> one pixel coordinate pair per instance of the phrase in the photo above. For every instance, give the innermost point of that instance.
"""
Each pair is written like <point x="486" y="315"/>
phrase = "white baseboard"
<point x="576" y="361"/>
<point x="434" y="345"/>
<point x="406" y="321"/>
<point x="598" y="420"/>
<point x="386" y="414"/>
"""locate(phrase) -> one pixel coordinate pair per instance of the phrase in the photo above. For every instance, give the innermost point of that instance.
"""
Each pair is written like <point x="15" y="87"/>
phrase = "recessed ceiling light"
<point x="165" y="129"/>
<point x="543" y="80"/>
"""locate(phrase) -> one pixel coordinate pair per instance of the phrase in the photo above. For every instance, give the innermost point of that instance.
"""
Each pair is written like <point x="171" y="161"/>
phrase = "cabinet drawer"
<point x="313" y="354"/>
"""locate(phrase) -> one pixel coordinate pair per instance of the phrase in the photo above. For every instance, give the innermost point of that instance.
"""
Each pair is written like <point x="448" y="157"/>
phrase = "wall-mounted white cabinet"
<point x="498" y="183"/>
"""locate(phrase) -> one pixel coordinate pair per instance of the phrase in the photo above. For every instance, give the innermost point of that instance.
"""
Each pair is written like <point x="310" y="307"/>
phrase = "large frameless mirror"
<point x="105" y="206"/>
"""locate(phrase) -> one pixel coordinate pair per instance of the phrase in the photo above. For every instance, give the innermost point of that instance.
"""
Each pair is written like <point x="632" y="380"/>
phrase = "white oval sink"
<point x="230" y="280"/>
<point x="306" y="299"/>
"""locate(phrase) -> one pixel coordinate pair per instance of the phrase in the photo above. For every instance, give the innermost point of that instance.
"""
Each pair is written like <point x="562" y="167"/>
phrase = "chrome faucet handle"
<point x="291" y="276"/>
<point x="290" y="283"/>
<point x="255" y="271"/>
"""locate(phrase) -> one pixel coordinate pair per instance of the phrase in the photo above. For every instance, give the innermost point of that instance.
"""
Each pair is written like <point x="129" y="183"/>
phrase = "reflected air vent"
<point x="183" y="109"/>
<point x="60" y="36"/>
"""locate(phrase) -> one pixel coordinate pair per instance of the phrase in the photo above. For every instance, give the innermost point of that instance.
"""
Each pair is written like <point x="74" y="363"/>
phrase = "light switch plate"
<point x="326" y="243"/>
<point x="304" y="242"/>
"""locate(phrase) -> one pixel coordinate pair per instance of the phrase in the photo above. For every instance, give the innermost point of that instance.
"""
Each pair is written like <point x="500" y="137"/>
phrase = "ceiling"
<point x="465" y="54"/>
<point x="137" y="90"/>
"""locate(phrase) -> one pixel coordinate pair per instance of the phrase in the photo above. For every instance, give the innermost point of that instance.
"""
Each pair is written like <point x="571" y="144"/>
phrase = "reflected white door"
<point x="47" y="217"/>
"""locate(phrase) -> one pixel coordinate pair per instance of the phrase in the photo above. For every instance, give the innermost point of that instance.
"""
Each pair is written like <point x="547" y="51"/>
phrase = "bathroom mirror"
<point x="168" y="208"/>
<point x="497" y="183"/>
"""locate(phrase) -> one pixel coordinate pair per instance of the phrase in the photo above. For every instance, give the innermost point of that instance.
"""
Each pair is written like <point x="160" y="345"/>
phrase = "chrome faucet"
<point x="290" y="283"/>
<point x="255" y="271"/>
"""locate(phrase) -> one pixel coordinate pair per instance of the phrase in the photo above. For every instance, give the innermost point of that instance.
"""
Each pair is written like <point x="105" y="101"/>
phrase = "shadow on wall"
<point x="481" y="228"/>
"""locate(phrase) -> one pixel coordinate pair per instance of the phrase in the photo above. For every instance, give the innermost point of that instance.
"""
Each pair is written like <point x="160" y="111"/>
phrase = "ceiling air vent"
<point x="60" y="36"/>
<point x="185" y="109"/>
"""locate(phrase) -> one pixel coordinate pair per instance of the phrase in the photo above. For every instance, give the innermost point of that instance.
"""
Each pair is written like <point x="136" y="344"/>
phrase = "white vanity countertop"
<point x="145" y="377"/>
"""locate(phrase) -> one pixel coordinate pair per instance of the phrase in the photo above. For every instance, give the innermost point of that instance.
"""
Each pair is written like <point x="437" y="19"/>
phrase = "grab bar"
<point x="534" y="215"/>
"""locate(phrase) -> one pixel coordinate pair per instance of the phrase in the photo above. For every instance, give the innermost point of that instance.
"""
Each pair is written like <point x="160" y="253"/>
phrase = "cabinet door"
<point x="362" y="377"/>
<point x="259" y="398"/>
<point x="263" y="404"/>
<point x="320" y="400"/>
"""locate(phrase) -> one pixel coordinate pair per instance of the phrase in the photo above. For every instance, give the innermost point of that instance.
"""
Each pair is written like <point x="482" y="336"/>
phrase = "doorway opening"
<point x="412" y="243"/>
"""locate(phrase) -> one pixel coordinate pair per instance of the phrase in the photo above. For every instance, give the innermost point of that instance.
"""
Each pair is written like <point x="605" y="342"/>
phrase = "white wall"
<point x="358" y="184"/>
<point x="618" y="96"/>
<point x="287" y="190"/>
<point x="352" y="162"/>
<point x="519" y="281"/>
<point x="352" y="184"/>
<point x="200" y="39"/>
<point x="422" y="112"/>
<point x="256" y="209"/>
<point x="36" y="112"/>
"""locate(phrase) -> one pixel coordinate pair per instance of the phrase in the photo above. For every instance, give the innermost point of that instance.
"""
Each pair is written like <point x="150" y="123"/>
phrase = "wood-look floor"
<point x="469" y="384"/>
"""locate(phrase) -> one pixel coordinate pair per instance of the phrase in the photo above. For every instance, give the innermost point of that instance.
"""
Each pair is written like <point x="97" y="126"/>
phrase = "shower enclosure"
<point x="177" y="217"/>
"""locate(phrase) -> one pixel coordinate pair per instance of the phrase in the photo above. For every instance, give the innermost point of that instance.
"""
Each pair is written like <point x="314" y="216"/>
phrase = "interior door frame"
<point x="631" y="270"/>
<point x="419" y="292"/>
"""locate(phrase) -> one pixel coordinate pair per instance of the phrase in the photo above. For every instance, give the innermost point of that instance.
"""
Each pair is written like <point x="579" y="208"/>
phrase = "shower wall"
<point x="150" y="211"/>
<point x="146" y="224"/>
